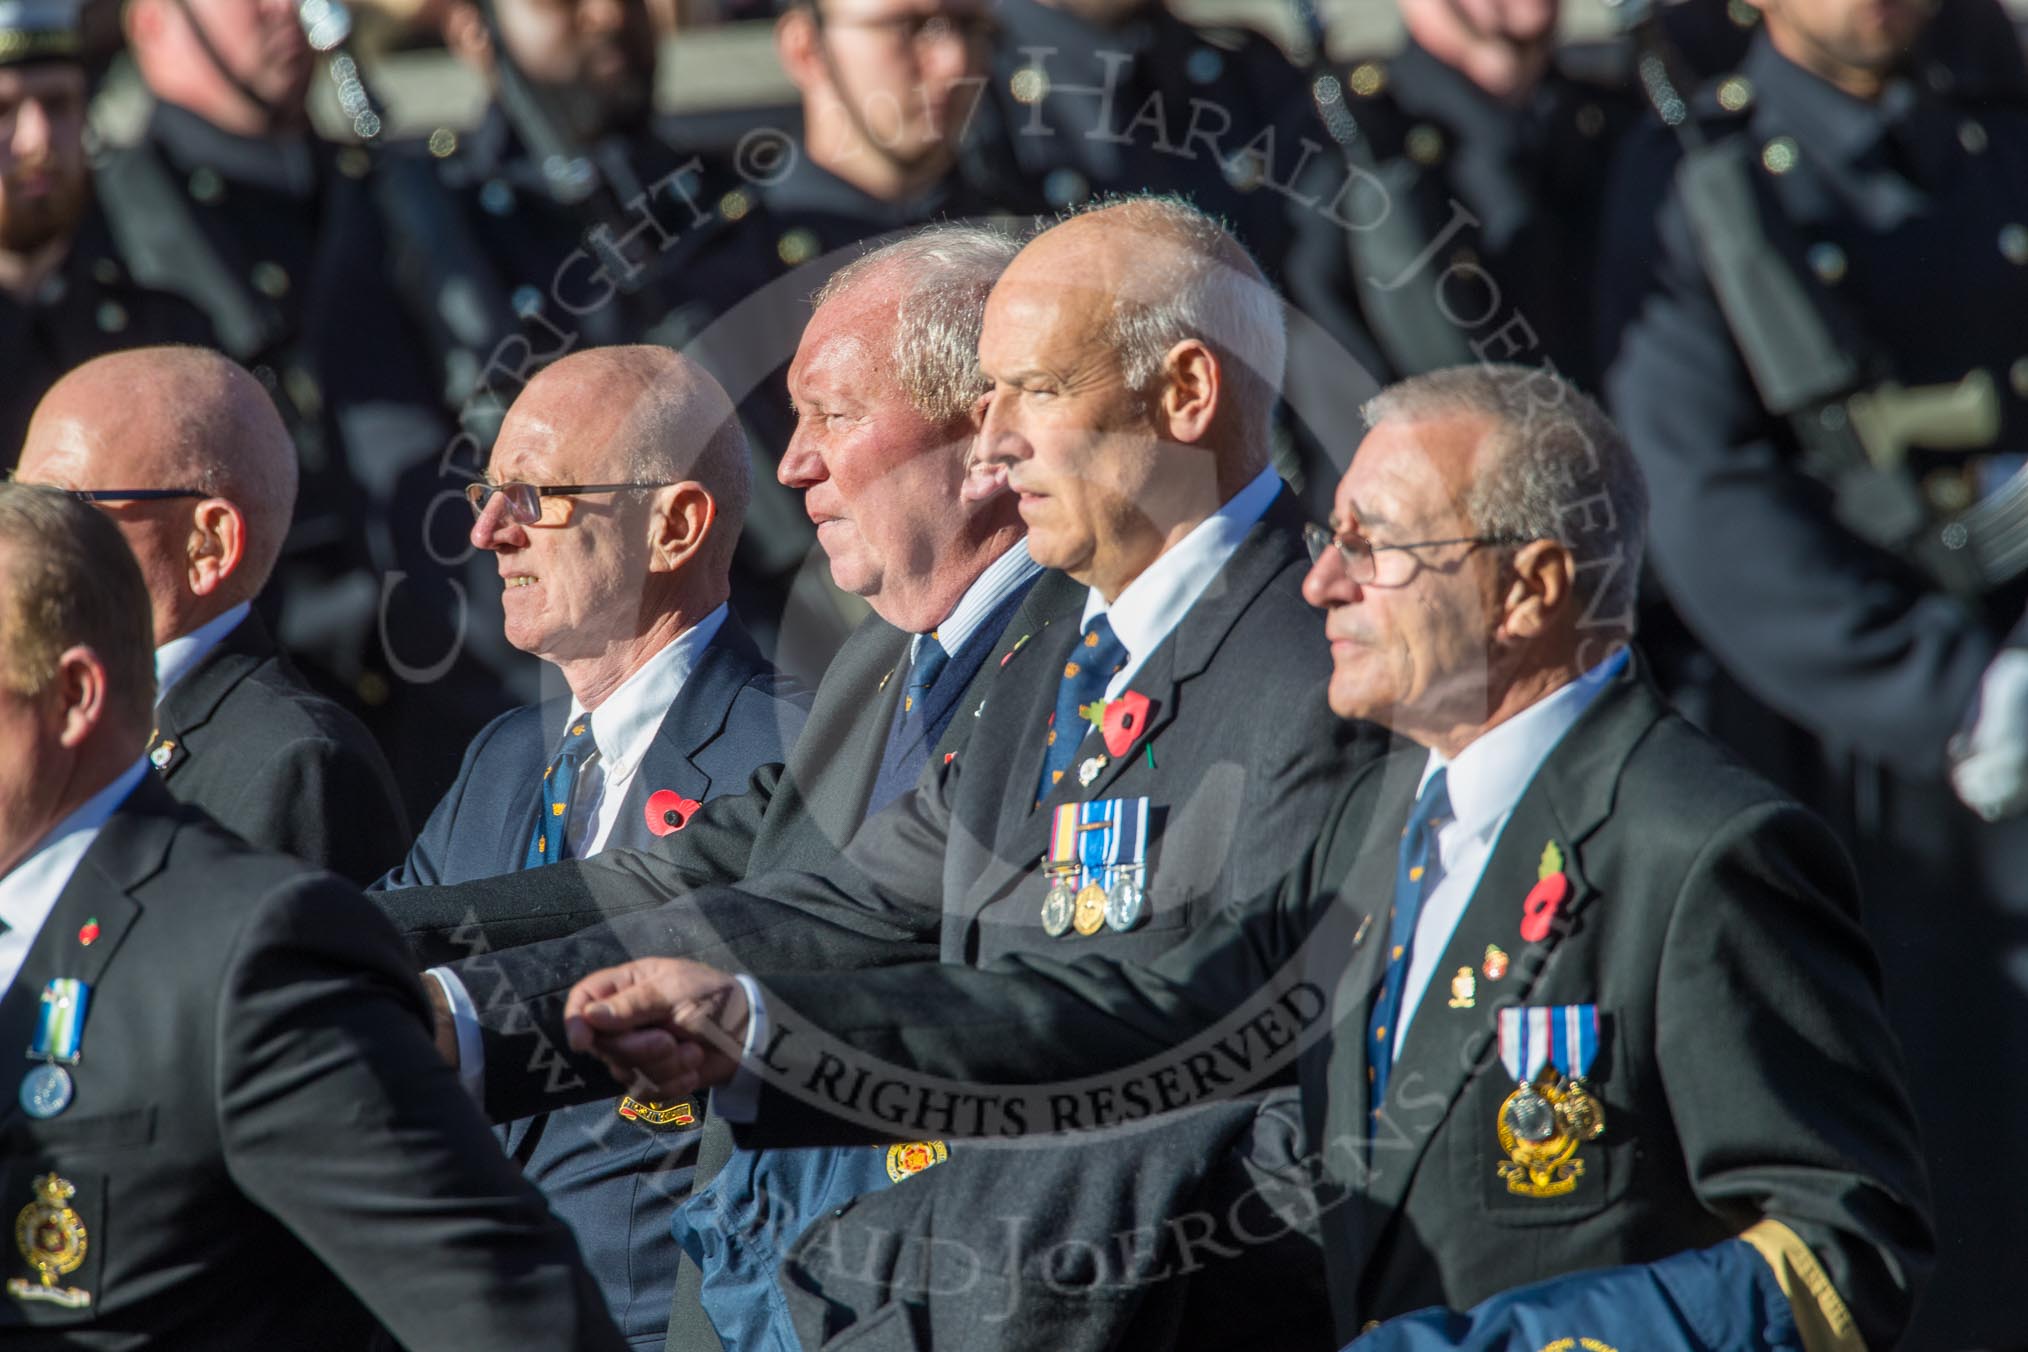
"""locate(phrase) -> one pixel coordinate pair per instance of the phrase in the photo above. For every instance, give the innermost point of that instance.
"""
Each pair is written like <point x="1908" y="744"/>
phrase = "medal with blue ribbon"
<point x="1097" y="831"/>
<point x="59" y="1036"/>
<point x="1126" y="893"/>
<point x="1574" y="1045"/>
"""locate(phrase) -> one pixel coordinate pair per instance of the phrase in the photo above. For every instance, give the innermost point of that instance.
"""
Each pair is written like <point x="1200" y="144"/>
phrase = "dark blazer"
<point x="243" y="737"/>
<point x="615" y="1180"/>
<point x="1746" y="1070"/>
<point x="265" y="1148"/>
<point x="793" y="814"/>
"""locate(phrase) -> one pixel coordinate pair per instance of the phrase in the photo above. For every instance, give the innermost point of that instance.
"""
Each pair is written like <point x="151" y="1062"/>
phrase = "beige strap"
<point x="1821" y="1317"/>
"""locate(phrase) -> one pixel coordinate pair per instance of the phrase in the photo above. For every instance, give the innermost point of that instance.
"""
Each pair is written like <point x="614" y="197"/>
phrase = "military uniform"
<point x="1906" y="223"/>
<point x="88" y="307"/>
<point x="279" y="241"/>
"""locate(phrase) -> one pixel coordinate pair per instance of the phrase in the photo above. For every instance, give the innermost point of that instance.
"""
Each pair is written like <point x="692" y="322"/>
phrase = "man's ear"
<point x="796" y="47"/>
<point x="1192" y="385"/>
<point x="217" y="545"/>
<point x="681" y="522"/>
<point x="80" y="687"/>
<point x="1539" y="594"/>
<point x="465" y="36"/>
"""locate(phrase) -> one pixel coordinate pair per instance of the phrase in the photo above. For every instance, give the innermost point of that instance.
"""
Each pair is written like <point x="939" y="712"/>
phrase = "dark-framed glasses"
<point x="1360" y="555"/>
<point x="525" y="501"/>
<point x="134" y="494"/>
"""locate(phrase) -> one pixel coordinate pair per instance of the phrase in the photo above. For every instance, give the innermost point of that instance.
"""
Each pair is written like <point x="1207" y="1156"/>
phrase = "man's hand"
<point x="1989" y="761"/>
<point x="1503" y="46"/>
<point x="665" y="1027"/>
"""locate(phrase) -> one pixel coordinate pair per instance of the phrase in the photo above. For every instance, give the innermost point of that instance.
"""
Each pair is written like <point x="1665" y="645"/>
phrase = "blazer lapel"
<point x="129" y="850"/>
<point x="192" y="701"/>
<point x="836" y="760"/>
<point x="1564" y="805"/>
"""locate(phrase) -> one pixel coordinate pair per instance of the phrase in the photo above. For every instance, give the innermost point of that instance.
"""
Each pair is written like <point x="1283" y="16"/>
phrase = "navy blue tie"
<point x="1093" y="663"/>
<point x="559" y="783"/>
<point x="907" y="750"/>
<point x="1415" y="876"/>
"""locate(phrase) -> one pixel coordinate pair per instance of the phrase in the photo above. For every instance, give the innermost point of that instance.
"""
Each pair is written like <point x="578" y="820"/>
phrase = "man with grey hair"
<point x="1131" y="712"/>
<point x="1564" y="986"/>
<point x="232" y="1132"/>
<point x="886" y="382"/>
<point x="613" y="501"/>
<point x="184" y="451"/>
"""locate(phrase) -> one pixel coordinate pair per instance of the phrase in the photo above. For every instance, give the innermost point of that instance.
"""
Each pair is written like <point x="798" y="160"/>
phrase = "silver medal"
<point x="46" y="1090"/>
<point x="1058" y="907"/>
<point x="1126" y="900"/>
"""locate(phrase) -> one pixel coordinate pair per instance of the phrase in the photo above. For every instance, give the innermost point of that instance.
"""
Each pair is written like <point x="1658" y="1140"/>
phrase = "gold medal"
<point x="1091" y="909"/>
<point x="1581" y="1113"/>
<point x="51" y="1236"/>
<point x="1541" y="1151"/>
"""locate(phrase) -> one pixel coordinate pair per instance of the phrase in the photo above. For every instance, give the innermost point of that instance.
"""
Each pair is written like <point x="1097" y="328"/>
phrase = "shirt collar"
<point x="179" y="656"/>
<point x="1824" y="118"/>
<point x="1144" y="614"/>
<point x="624" y="726"/>
<point x="1011" y="570"/>
<point x="1488" y="777"/>
<point x="45" y="870"/>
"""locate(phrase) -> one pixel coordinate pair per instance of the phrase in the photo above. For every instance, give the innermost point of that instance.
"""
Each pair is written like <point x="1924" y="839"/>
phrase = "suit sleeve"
<point x="338" y="1118"/>
<point x="328" y="803"/>
<point x="535" y="906"/>
<point x="1830" y="631"/>
<point x="1782" y="1074"/>
<point x="1243" y="984"/>
<point x="425" y="863"/>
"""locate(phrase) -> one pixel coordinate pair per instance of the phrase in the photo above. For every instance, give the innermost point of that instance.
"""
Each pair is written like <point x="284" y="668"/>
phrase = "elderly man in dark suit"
<point x="1603" y="1001"/>
<point x="613" y="501"/>
<point x="186" y="454"/>
<point x="1135" y="356"/>
<point x="232" y="1131"/>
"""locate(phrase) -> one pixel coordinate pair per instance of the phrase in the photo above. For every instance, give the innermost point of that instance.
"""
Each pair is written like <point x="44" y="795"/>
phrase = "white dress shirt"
<point x="175" y="659"/>
<point x="1484" y="783"/>
<point x="29" y="890"/>
<point x="1152" y="604"/>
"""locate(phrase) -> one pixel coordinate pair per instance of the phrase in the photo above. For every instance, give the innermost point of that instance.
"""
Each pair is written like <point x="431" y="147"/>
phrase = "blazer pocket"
<point x="59" y="1214"/>
<point x="1562" y="1185"/>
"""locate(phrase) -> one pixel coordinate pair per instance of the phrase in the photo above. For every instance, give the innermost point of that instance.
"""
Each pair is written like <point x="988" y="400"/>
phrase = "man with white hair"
<point x="185" y="452"/>
<point x="1134" y="355"/>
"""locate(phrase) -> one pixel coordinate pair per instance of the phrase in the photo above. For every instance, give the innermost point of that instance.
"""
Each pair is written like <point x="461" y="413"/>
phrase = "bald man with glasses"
<point x="184" y="451"/>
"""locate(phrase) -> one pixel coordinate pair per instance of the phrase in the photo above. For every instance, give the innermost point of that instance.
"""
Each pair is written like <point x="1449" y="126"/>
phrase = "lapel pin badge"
<point x="1551" y="890"/>
<point x="669" y="811"/>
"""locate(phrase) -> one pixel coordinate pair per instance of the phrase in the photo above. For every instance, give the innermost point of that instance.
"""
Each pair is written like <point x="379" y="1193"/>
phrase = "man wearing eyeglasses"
<point x="184" y="451"/>
<point x="613" y="500"/>
<point x="1587" y="1032"/>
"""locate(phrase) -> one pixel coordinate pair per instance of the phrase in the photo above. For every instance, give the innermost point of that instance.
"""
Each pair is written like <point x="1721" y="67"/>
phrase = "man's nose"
<point x="801" y="466"/>
<point x="496" y="529"/>
<point x="1000" y="440"/>
<point x="1329" y="582"/>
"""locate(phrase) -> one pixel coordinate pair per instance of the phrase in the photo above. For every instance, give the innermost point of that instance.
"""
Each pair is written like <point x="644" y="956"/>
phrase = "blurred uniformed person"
<point x="64" y="295"/>
<point x="231" y="200"/>
<point x="1819" y="357"/>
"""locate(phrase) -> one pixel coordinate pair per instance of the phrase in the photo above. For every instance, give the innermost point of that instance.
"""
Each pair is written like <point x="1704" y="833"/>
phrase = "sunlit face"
<point x="910" y="69"/>
<point x="597" y="56"/>
<point x="1867" y="35"/>
<point x="61" y="452"/>
<point x="43" y="182"/>
<point x="880" y="480"/>
<point x="574" y="582"/>
<point x="1094" y="481"/>
<point x="1409" y="650"/>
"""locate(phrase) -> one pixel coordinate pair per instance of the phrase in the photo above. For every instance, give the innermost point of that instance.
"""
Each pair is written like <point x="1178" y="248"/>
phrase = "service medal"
<point x="1126" y="900"/>
<point x="1540" y="1159"/>
<point x="46" y="1090"/>
<point x="1091" y="910"/>
<point x="1580" y="1112"/>
<point x="1057" y="907"/>
<point x="1573" y="1031"/>
<point x="51" y="1236"/>
<point x="1528" y="1116"/>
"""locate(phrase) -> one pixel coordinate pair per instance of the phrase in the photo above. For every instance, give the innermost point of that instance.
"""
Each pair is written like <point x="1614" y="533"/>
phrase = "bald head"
<point x="604" y="580"/>
<point x="1162" y="273"/>
<point x="175" y="418"/>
